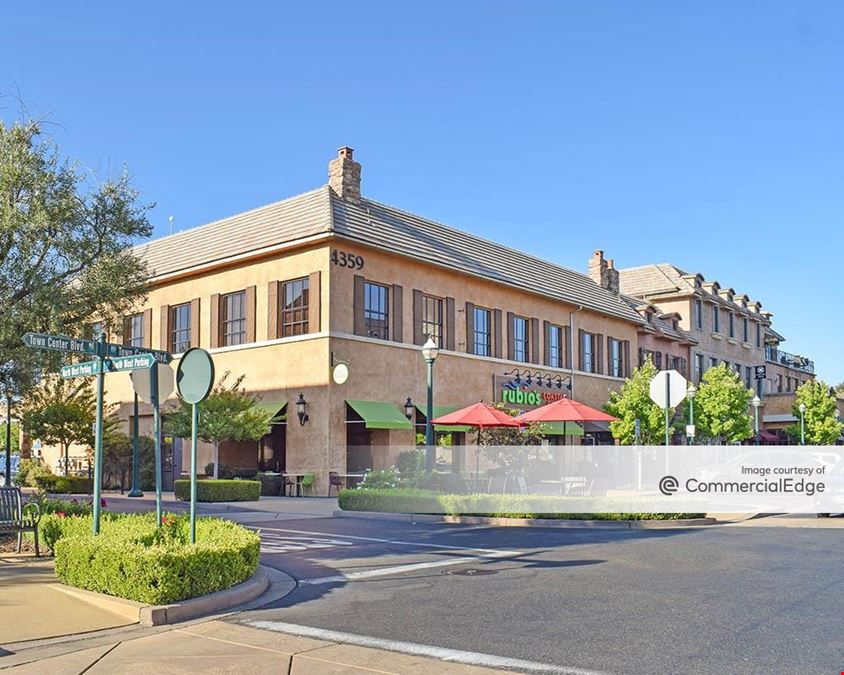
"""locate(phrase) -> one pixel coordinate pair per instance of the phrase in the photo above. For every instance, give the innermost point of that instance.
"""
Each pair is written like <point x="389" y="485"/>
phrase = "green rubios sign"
<point x="521" y="397"/>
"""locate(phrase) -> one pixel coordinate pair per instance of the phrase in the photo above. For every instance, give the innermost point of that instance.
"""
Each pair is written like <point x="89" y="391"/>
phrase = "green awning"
<point x="556" y="429"/>
<point x="275" y="408"/>
<point x="380" y="415"/>
<point x="439" y="411"/>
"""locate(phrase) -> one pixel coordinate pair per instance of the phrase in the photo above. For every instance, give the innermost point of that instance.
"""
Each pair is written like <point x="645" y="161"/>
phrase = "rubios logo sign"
<point x="507" y="390"/>
<point x="521" y="396"/>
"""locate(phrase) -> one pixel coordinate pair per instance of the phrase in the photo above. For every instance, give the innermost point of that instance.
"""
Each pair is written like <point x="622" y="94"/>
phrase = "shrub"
<point x="65" y="485"/>
<point x="379" y="480"/>
<point x="29" y="471"/>
<point x="132" y="559"/>
<point x="411" y="468"/>
<point x="220" y="490"/>
<point x="494" y="505"/>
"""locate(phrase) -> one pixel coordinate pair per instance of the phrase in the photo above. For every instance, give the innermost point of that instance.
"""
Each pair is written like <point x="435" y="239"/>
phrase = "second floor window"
<point x="758" y="334"/>
<point x="234" y="318"/>
<point x="616" y="358"/>
<point x="698" y="367"/>
<point x="376" y="311"/>
<point x="587" y="353"/>
<point x="133" y="330"/>
<point x="482" y="338"/>
<point x="521" y="339"/>
<point x="432" y="318"/>
<point x="698" y="313"/>
<point x="748" y="377"/>
<point x="713" y="362"/>
<point x="732" y="325"/>
<point x="716" y="318"/>
<point x="555" y="347"/>
<point x="180" y="321"/>
<point x="746" y="329"/>
<point x="295" y="307"/>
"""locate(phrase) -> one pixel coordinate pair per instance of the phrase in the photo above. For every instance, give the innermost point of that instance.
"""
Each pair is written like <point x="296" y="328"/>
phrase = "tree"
<point x="722" y="405"/>
<point x="512" y="447"/>
<point x="228" y="414"/>
<point x="61" y="412"/>
<point x="819" y="419"/>
<point x="633" y="402"/>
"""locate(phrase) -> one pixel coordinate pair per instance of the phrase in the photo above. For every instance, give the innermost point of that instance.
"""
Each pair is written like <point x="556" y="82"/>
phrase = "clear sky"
<point x="707" y="134"/>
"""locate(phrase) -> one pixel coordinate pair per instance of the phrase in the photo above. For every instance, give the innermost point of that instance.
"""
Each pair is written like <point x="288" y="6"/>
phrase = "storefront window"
<point x="295" y="307"/>
<point x="521" y="350"/>
<point x="482" y="339"/>
<point x="234" y="318"/>
<point x="180" y="336"/>
<point x="376" y="311"/>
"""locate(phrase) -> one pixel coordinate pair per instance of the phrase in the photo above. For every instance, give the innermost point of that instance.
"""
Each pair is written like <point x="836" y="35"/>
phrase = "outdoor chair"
<point x="308" y="481"/>
<point x="334" y="481"/>
<point x="17" y="517"/>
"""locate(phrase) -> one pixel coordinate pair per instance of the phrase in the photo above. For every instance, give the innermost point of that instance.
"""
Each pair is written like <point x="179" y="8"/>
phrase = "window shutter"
<point x="314" y="302"/>
<point x="418" y="338"/>
<point x="599" y="347"/>
<point x="496" y="333"/>
<point x="359" y="305"/>
<point x="470" y="328"/>
<point x="625" y="370"/>
<point x="449" y="323"/>
<point x="164" y="328"/>
<point x="272" y="310"/>
<point x="398" y="314"/>
<point x="546" y="330"/>
<point x="641" y="356"/>
<point x="148" y="328"/>
<point x="569" y="348"/>
<point x="194" y="323"/>
<point x="127" y="327"/>
<point x="216" y="321"/>
<point x="534" y="341"/>
<point x="580" y="359"/>
<point x="249" y="312"/>
<point x="511" y="343"/>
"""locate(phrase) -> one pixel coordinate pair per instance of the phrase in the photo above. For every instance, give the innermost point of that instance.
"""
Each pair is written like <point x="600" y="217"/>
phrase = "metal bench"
<point x="17" y="517"/>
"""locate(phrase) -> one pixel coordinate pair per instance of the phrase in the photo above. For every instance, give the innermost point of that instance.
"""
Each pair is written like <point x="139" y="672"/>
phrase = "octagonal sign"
<point x="668" y="382"/>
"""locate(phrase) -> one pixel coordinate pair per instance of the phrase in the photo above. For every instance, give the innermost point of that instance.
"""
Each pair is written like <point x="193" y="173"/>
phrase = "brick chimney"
<point x="344" y="176"/>
<point x="603" y="272"/>
<point x="612" y="278"/>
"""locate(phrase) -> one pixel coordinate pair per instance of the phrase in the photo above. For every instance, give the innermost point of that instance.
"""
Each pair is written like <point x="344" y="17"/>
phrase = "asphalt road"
<point x="708" y="600"/>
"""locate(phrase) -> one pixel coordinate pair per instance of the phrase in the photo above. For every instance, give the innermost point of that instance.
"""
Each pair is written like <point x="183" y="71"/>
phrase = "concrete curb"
<point x="157" y="615"/>
<point x="532" y="522"/>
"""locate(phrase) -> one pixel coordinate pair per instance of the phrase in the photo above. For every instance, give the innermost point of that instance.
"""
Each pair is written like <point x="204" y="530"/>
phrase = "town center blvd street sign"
<point x="135" y="362"/>
<point x="668" y="386"/>
<point x="113" y="350"/>
<point x="60" y="343"/>
<point x="84" y="369"/>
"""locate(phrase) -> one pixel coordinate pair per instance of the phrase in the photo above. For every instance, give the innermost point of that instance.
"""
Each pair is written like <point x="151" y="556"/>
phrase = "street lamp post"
<point x="691" y="392"/>
<point x="757" y="402"/>
<point x="430" y="351"/>
<point x="802" y="424"/>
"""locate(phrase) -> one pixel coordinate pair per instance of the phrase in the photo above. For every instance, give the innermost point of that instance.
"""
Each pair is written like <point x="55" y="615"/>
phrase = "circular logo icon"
<point x="668" y="485"/>
<point x="340" y="373"/>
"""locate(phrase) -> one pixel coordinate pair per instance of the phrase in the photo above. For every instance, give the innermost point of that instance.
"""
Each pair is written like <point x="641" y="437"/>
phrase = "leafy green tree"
<point x="633" y="402"/>
<point x="61" y="412"/>
<point x="228" y="414"/>
<point x="821" y="426"/>
<point x="722" y="406"/>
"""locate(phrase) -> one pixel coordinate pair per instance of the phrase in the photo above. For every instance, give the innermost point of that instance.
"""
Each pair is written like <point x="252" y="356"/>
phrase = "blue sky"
<point x="705" y="134"/>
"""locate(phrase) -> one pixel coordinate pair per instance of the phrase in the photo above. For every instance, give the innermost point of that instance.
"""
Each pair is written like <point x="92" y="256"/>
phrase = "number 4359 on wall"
<point x="345" y="259"/>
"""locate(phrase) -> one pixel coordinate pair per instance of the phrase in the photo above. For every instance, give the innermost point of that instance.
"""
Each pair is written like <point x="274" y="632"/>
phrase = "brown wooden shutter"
<point x="314" y="302"/>
<point x="546" y="352"/>
<point x="418" y="338"/>
<point x="449" y="323"/>
<point x="609" y="355"/>
<point x="250" y="297"/>
<point x="626" y="351"/>
<point x="568" y="359"/>
<point x="195" y="336"/>
<point x="511" y="343"/>
<point x="599" y="347"/>
<point x="164" y="329"/>
<point x="470" y="328"/>
<point x="580" y="355"/>
<point x="127" y="326"/>
<point x="148" y="328"/>
<point x="216" y="322"/>
<point x="534" y="341"/>
<point x="497" y="333"/>
<point x="359" y="305"/>
<point x="272" y="310"/>
<point x="398" y="314"/>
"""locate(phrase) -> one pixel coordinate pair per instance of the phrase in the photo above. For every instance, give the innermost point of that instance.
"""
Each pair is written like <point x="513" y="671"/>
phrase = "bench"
<point x="17" y="517"/>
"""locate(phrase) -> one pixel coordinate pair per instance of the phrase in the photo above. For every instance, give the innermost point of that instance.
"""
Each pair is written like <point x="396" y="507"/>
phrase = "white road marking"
<point x="276" y="543"/>
<point x="441" y="653"/>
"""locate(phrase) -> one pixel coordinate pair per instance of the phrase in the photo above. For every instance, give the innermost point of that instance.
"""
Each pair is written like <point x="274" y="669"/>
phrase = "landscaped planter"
<point x="220" y="490"/>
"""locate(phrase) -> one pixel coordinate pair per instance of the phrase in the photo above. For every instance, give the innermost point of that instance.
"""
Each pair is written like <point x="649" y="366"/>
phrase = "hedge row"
<point x="220" y="490"/>
<point x="132" y="559"/>
<point x="493" y="505"/>
<point x="64" y="485"/>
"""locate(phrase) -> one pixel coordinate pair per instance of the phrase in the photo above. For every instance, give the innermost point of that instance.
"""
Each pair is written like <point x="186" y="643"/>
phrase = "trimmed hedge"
<point x="132" y="559"/>
<point x="220" y="490"/>
<point x="398" y="500"/>
<point x="65" y="485"/>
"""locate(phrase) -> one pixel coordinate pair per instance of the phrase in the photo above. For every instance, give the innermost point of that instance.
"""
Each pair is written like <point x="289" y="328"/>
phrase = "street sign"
<point x="60" y="343"/>
<point x="84" y="369"/>
<point x="142" y="383"/>
<point x="137" y="362"/>
<point x="114" y="350"/>
<point x="668" y="386"/>
<point x="761" y="372"/>
<point x="195" y="375"/>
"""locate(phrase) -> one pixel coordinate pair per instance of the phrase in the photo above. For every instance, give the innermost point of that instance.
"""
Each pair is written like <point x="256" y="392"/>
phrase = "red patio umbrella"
<point x="565" y="410"/>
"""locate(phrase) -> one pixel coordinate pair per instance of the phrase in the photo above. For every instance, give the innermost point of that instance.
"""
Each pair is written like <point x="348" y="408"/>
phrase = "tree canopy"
<point x="633" y="402"/>
<point x="722" y="406"/>
<point x="820" y="424"/>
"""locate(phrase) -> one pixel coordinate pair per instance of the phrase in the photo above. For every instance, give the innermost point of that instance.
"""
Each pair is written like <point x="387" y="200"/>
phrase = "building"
<point x="284" y="293"/>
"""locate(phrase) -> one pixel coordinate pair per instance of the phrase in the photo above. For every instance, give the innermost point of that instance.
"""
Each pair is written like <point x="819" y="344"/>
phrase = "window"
<point x="758" y="334"/>
<point x="616" y="356"/>
<point x="748" y="377"/>
<point x="482" y="337"/>
<point x="133" y="330"/>
<point x="657" y="358"/>
<point x="521" y="339"/>
<point x="779" y="383"/>
<point x="713" y="362"/>
<point x="698" y="313"/>
<point x="555" y="346"/>
<point x="233" y="307"/>
<point x="376" y="313"/>
<point x="788" y="383"/>
<point x="746" y="331"/>
<point x="180" y="337"/>
<point x="716" y="319"/>
<point x="588" y="359"/>
<point x="432" y="318"/>
<point x="732" y="325"/>
<point x="295" y="307"/>
<point x="698" y="367"/>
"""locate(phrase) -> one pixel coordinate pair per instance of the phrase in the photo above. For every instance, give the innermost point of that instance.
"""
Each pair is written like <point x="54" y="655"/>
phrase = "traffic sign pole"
<point x="98" y="435"/>
<point x="136" y="455"/>
<point x="156" y="423"/>
<point x="194" y="430"/>
<point x="667" y="407"/>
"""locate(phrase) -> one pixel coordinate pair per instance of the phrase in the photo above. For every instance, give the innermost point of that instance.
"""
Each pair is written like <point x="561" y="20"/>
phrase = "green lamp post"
<point x="430" y="351"/>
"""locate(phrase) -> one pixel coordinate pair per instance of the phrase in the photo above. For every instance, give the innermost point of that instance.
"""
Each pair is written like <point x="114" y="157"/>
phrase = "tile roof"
<point x="383" y="227"/>
<point x="657" y="279"/>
